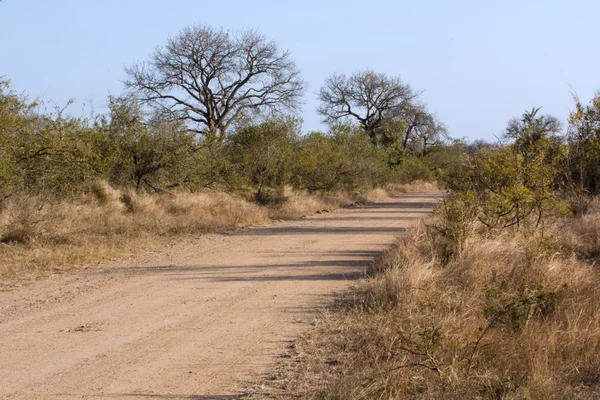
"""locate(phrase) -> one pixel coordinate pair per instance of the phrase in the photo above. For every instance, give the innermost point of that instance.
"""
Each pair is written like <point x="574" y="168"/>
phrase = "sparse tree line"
<point x="213" y="108"/>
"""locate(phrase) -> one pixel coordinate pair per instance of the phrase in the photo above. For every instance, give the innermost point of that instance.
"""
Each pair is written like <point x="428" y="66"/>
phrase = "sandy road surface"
<point x="192" y="321"/>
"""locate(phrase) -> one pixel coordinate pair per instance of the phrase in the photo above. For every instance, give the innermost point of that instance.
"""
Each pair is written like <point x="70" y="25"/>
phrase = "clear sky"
<point x="478" y="62"/>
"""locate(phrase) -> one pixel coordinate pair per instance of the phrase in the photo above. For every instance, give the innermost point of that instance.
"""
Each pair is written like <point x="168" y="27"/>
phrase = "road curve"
<point x="192" y="321"/>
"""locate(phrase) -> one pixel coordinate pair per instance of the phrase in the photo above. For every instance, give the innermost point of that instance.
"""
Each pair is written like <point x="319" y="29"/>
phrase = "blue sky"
<point x="478" y="63"/>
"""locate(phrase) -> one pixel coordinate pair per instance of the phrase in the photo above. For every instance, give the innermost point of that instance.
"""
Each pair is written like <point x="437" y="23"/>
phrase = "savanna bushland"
<point x="205" y="137"/>
<point x="496" y="296"/>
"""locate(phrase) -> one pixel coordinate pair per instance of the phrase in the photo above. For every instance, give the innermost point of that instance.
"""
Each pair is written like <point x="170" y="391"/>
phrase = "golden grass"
<point x="38" y="236"/>
<point x="416" y="186"/>
<point x="302" y="203"/>
<point x="513" y="317"/>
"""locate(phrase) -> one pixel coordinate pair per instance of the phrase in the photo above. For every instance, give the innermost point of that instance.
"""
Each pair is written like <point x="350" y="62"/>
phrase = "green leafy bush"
<point x="261" y="157"/>
<point x="344" y="159"/>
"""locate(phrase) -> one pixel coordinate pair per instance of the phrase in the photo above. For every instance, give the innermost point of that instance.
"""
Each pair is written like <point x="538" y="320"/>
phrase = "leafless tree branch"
<point x="209" y="78"/>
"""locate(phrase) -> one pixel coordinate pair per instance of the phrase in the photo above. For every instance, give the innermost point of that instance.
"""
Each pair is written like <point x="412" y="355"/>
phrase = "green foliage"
<point x="61" y="155"/>
<point x="49" y="153"/>
<point x="516" y="185"/>
<point x="415" y="169"/>
<point x="319" y="163"/>
<point x="529" y="132"/>
<point x="390" y="138"/>
<point x="261" y="156"/>
<point x="514" y="310"/>
<point x="584" y="145"/>
<point x="14" y="118"/>
<point x="435" y="164"/>
<point x="443" y="159"/>
<point x="58" y="155"/>
<point x="344" y="159"/>
<point x="150" y="154"/>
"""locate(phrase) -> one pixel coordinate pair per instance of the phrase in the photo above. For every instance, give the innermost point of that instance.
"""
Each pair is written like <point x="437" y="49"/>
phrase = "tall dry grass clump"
<point x="581" y="235"/>
<point x="39" y="234"/>
<point x="510" y="316"/>
<point x="302" y="203"/>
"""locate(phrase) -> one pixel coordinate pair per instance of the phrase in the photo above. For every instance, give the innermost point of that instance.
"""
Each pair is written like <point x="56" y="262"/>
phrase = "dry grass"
<point x="302" y="203"/>
<point x="38" y="236"/>
<point x="513" y="317"/>
<point x="299" y="204"/>
<point x="416" y="186"/>
<point x="581" y="236"/>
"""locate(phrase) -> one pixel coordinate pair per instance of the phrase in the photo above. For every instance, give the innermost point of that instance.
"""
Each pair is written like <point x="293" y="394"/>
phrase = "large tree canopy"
<point x="210" y="78"/>
<point x="386" y="108"/>
<point x="369" y="97"/>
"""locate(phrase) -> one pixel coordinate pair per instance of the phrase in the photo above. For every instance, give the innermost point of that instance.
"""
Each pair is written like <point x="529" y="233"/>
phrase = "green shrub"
<point x="343" y="160"/>
<point x="415" y="169"/>
<point x="510" y="188"/>
<point x="261" y="157"/>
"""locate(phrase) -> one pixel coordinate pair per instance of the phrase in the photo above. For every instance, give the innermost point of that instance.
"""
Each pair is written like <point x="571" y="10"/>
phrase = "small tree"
<point x="531" y="130"/>
<point x="262" y="155"/>
<point x="584" y="145"/>
<point x="515" y="185"/>
<point x="144" y="152"/>
<point x="210" y="78"/>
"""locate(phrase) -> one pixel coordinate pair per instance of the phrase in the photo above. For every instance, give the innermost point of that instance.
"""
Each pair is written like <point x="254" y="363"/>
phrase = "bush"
<point x="342" y="160"/>
<point x="414" y="169"/>
<point x="261" y="156"/>
<point x="44" y="153"/>
<point x="456" y="219"/>
<point x="510" y="189"/>
<point x="159" y="154"/>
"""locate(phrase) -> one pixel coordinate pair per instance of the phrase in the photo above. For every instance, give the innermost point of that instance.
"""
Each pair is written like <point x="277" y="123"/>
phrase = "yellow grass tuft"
<point x="38" y="235"/>
<point x="302" y="203"/>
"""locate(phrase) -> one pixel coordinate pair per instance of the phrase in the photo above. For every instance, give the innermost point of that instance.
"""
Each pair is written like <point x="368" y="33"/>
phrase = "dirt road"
<point x="193" y="321"/>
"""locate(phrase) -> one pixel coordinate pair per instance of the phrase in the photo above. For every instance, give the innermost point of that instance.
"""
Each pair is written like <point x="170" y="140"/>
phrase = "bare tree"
<point x="366" y="96"/>
<point x="427" y="130"/>
<point x="210" y="78"/>
<point x="422" y="129"/>
<point x="415" y="118"/>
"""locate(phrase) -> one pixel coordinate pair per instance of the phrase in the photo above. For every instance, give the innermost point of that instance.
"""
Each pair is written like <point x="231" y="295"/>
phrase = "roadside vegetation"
<point x="205" y="138"/>
<point x="496" y="296"/>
